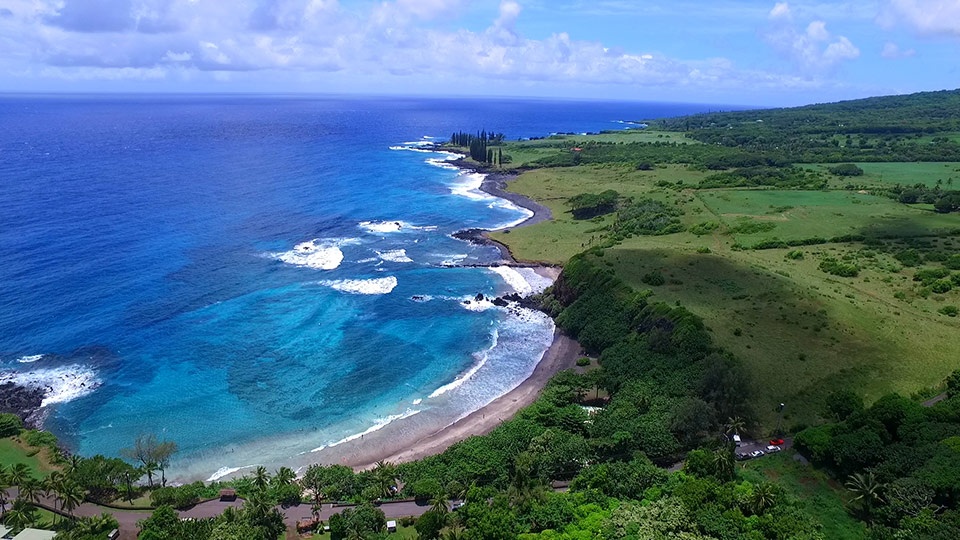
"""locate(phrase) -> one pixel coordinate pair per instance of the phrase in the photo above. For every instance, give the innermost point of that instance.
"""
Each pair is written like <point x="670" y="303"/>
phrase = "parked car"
<point x="756" y="453"/>
<point x="772" y="448"/>
<point x="776" y="442"/>
<point x="742" y="456"/>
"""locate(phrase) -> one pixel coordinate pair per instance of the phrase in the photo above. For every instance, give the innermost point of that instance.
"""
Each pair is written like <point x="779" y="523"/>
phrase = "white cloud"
<point x="216" y="40"/>
<point x="812" y="49"/>
<point x="926" y="17"/>
<point x="893" y="51"/>
<point x="781" y="10"/>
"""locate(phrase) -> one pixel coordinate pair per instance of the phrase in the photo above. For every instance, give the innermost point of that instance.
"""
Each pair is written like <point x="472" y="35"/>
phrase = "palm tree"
<point x="18" y="473"/>
<point x="21" y="515"/>
<point x="284" y="476"/>
<point x="723" y="463"/>
<point x="53" y="483"/>
<point x="734" y="426"/>
<point x="30" y="490"/>
<point x="3" y="488"/>
<point x="70" y="497"/>
<point x="438" y="503"/>
<point x="385" y="475"/>
<point x="764" y="497"/>
<point x="867" y="490"/>
<point x="260" y="478"/>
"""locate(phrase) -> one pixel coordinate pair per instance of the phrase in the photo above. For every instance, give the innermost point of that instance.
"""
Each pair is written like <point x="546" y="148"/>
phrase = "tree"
<point x="152" y="455"/>
<point x="843" y="403"/>
<point x="261" y="478"/>
<point x="21" y="515"/>
<point x="429" y="525"/>
<point x="385" y="475"/>
<point x="18" y="474"/>
<point x="764" y="497"/>
<point x="10" y="425"/>
<point x="866" y="490"/>
<point x="70" y="497"/>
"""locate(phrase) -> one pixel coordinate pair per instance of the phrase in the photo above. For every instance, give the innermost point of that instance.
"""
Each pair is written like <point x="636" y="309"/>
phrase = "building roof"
<point x="35" y="534"/>
<point x="3" y="529"/>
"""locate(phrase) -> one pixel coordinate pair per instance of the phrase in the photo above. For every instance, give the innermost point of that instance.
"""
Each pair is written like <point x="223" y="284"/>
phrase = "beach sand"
<point x="562" y="354"/>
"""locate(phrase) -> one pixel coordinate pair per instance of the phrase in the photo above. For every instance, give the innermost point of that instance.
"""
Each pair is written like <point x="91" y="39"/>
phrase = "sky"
<point x="738" y="52"/>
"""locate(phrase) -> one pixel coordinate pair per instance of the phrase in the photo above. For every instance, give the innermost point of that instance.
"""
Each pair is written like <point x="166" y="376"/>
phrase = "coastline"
<point x="562" y="354"/>
<point x="495" y="184"/>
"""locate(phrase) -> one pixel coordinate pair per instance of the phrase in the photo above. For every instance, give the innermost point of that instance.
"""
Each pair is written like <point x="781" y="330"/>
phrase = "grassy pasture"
<point x="802" y="332"/>
<point x="13" y="451"/>
<point x="904" y="173"/>
<point x="822" y="497"/>
<point x="797" y="215"/>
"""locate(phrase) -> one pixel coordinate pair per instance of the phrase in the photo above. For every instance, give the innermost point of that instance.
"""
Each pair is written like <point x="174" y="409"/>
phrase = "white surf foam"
<point x="523" y="281"/>
<point x="383" y="285"/>
<point x="59" y="384"/>
<point x="417" y="401"/>
<point x="383" y="227"/>
<point x="464" y="377"/>
<point x="226" y="471"/>
<point x="395" y="255"/>
<point x="470" y="303"/>
<point x="377" y="426"/>
<point x="318" y="254"/>
<point x="468" y="185"/>
<point x="29" y="359"/>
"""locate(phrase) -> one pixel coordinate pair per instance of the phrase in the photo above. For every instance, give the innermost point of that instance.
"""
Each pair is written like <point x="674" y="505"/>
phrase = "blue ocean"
<point x="260" y="278"/>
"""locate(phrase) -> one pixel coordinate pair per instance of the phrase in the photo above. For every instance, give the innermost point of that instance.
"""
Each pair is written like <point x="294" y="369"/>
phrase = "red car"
<point x="776" y="442"/>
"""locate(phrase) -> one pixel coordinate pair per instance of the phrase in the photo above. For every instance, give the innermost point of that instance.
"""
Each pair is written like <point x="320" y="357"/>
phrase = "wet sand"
<point x="562" y="354"/>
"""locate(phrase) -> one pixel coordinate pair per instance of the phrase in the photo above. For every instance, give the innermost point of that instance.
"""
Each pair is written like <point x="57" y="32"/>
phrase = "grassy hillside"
<point x="804" y="332"/>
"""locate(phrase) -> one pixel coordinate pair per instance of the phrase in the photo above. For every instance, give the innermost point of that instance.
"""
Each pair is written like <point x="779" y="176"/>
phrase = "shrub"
<point x="950" y="311"/>
<point x="749" y="226"/>
<point x="40" y="438"/>
<point x="941" y="286"/>
<point x="952" y="262"/>
<point x="795" y="255"/>
<point x="589" y="205"/>
<point x="706" y="227"/>
<point x="10" y="425"/>
<point x="703" y="250"/>
<point x="838" y="268"/>
<point x="583" y="361"/>
<point x="909" y="257"/>
<point x="654" y="278"/>
<point x="846" y="169"/>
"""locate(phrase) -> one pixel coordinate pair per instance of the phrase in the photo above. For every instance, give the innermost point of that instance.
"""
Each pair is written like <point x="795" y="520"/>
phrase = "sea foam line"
<point x="464" y="377"/>
<point x="377" y="426"/>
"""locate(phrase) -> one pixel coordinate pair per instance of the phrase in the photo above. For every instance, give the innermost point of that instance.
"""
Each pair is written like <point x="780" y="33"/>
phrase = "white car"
<point x="771" y="449"/>
<point x="756" y="453"/>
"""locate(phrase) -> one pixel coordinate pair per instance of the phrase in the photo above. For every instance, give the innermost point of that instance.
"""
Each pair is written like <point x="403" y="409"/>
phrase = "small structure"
<point x="307" y="525"/>
<point x="35" y="534"/>
<point x="3" y="530"/>
<point x="391" y="526"/>
<point x="228" y="495"/>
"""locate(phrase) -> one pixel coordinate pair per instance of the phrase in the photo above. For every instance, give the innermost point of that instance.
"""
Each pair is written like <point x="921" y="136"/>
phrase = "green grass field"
<point x="907" y="174"/>
<point x="795" y="215"/>
<point x="12" y="452"/>
<point x="802" y="332"/>
<point x="821" y="497"/>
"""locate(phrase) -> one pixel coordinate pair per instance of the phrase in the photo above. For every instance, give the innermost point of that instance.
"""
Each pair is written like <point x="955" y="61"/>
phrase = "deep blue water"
<point x="176" y="261"/>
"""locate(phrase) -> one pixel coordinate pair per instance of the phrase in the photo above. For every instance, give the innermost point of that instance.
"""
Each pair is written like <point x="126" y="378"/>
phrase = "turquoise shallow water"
<point x="256" y="278"/>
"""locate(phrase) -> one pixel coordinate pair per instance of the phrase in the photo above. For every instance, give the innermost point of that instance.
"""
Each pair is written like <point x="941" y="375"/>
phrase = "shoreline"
<point x="495" y="184"/>
<point x="562" y="354"/>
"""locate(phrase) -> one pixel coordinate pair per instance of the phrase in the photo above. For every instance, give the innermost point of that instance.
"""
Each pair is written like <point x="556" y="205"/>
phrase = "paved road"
<point x="128" y="519"/>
